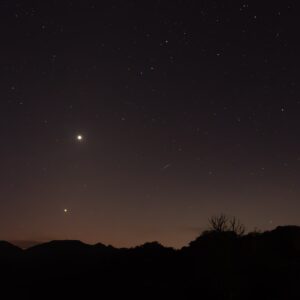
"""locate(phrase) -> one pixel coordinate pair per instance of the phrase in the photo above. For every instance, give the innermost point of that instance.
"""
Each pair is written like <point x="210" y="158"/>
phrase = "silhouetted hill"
<point x="153" y="249"/>
<point x="24" y="244"/>
<point x="60" y="247"/>
<point x="8" y="251"/>
<point x="285" y="238"/>
<point x="6" y="247"/>
<point x="100" y="248"/>
<point x="216" y="265"/>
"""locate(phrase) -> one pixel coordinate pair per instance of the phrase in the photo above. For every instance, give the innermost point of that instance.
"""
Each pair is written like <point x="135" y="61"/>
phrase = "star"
<point x="79" y="137"/>
<point x="65" y="210"/>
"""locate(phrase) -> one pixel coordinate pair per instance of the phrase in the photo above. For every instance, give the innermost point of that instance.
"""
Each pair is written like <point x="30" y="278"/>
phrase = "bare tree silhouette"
<point x="218" y="223"/>
<point x="236" y="226"/>
<point x="222" y="223"/>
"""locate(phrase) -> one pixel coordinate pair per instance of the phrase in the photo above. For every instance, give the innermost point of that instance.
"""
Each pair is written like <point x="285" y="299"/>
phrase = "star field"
<point x="129" y="121"/>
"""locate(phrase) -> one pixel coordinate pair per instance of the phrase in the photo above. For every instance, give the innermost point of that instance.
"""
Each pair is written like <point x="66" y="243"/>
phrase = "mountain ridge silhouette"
<point x="215" y="265"/>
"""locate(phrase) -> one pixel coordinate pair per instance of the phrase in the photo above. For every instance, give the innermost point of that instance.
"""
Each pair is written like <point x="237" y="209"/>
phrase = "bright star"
<point x="79" y="137"/>
<point x="65" y="210"/>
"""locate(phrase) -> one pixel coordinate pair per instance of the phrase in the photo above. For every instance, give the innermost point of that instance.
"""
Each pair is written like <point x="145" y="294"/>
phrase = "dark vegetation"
<point x="222" y="263"/>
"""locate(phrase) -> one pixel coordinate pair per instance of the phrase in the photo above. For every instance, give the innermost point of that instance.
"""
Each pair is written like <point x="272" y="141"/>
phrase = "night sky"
<point x="131" y="121"/>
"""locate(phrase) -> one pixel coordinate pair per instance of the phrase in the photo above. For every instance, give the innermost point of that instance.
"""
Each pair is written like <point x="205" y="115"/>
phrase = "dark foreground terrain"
<point x="217" y="265"/>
